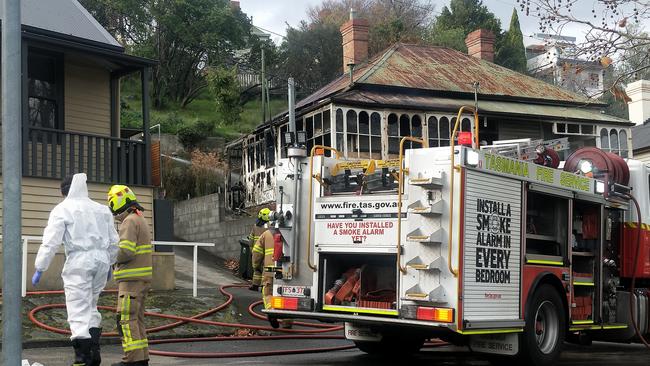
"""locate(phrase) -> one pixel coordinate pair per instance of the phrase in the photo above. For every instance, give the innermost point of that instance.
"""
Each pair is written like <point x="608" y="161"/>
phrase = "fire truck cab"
<point x="504" y="255"/>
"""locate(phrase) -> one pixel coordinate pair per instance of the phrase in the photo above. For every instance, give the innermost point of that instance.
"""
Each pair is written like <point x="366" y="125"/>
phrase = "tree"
<point x="185" y="36"/>
<point x="613" y="33"/>
<point x="458" y="20"/>
<point x="127" y="20"/>
<point x="224" y="88"/>
<point x="511" y="53"/>
<point x="391" y="20"/>
<point x="312" y="55"/>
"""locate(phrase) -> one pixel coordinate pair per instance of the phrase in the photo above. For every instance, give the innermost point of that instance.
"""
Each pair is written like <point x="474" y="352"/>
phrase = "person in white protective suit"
<point x="87" y="231"/>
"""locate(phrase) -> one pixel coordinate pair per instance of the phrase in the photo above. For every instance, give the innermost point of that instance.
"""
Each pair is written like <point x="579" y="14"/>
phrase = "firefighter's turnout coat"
<point x="133" y="272"/>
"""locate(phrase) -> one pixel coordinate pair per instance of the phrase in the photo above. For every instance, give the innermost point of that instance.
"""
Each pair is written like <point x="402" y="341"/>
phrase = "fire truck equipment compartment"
<point x="359" y="280"/>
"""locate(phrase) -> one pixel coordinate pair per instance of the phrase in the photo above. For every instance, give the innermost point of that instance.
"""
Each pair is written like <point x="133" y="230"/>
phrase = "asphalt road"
<point x="598" y="354"/>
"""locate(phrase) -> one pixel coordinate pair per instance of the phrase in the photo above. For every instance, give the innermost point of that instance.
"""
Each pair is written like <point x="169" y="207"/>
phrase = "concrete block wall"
<point x="201" y="219"/>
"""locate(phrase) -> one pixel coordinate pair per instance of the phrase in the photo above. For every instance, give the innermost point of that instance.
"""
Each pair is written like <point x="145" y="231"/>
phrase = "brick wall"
<point x="202" y="220"/>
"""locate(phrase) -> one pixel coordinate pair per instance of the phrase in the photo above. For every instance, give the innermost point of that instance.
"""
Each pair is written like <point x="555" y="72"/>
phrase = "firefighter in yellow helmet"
<point x="132" y="272"/>
<point x="264" y="264"/>
<point x="258" y="229"/>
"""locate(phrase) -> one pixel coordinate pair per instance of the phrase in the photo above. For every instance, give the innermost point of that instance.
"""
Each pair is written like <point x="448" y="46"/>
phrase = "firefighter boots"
<point x="96" y="358"/>
<point x="81" y="352"/>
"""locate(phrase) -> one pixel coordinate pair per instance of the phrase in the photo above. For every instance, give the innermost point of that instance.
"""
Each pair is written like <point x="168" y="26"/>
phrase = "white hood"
<point x="78" y="188"/>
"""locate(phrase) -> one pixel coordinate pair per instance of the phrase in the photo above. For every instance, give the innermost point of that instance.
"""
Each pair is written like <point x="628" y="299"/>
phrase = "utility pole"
<point x="12" y="88"/>
<point x="263" y="83"/>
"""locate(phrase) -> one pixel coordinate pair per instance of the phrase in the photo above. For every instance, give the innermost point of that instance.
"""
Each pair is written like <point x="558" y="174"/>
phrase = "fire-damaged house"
<point x="416" y="90"/>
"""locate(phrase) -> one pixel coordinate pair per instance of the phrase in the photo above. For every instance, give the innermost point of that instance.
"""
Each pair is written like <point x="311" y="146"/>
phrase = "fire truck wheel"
<point x="391" y="346"/>
<point x="543" y="336"/>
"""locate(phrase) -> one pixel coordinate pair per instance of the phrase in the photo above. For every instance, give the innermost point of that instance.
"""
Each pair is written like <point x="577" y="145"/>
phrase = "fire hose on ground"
<point x="317" y="331"/>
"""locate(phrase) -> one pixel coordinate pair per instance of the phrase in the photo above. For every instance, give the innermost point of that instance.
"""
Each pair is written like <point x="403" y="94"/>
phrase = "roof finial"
<point x="353" y="14"/>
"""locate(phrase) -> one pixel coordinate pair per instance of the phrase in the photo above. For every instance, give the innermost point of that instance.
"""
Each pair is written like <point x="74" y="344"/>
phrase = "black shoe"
<point x="81" y="352"/>
<point x="96" y="358"/>
<point x="137" y="363"/>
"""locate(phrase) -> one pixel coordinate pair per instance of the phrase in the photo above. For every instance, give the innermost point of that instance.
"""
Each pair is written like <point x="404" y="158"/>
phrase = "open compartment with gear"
<point x="359" y="283"/>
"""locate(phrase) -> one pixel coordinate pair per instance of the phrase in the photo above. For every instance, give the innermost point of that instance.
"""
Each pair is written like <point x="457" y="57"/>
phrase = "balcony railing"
<point x="51" y="153"/>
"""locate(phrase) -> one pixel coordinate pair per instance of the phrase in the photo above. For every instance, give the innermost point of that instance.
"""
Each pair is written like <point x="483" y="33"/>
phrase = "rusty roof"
<point x="509" y="109"/>
<point x="445" y="70"/>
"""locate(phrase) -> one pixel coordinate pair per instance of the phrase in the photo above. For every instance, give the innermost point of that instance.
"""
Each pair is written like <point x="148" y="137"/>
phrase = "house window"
<point x="402" y="127"/>
<point x="604" y="139"/>
<point x="45" y="89"/>
<point x="340" y="135"/>
<point x="318" y="127"/>
<point x="438" y="131"/>
<point x="622" y="138"/>
<point x="352" y="133"/>
<point x="466" y="125"/>
<point x="432" y="126"/>
<point x="614" y="140"/>
<point x="393" y="134"/>
<point x="364" y="140"/>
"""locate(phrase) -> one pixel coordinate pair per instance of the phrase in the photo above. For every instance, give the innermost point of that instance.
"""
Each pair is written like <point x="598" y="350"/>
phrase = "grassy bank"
<point x="173" y="117"/>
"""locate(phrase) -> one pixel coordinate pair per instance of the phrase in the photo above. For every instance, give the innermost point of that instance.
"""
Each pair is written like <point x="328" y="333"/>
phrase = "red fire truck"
<point x="510" y="256"/>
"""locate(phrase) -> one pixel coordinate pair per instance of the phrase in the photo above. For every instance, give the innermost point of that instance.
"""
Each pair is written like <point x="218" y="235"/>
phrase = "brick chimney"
<point x="355" y="40"/>
<point x="235" y="5"/>
<point x="639" y="105"/>
<point x="480" y="44"/>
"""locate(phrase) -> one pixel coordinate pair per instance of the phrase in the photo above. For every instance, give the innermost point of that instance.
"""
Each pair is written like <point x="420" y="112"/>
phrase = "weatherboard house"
<point x="416" y="90"/>
<point x="70" y="114"/>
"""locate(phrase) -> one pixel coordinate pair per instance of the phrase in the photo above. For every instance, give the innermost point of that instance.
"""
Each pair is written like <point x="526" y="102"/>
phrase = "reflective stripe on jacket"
<point x="263" y="253"/>
<point x="134" y="259"/>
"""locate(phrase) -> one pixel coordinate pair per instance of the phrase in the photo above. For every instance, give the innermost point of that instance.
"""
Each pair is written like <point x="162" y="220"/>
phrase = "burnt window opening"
<point x="269" y="147"/>
<point x="283" y="142"/>
<point x="251" y="156"/>
<point x="318" y="127"/>
<point x="259" y="152"/>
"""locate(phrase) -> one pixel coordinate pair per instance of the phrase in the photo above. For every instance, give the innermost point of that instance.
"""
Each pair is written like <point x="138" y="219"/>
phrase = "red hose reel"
<point x="606" y="165"/>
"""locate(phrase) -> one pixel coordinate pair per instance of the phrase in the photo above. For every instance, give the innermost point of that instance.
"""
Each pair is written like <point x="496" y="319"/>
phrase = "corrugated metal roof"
<point x="63" y="16"/>
<point x="512" y="109"/>
<point x="446" y="70"/>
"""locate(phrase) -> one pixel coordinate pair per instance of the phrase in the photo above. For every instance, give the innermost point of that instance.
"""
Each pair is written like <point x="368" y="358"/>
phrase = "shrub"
<point x="190" y="136"/>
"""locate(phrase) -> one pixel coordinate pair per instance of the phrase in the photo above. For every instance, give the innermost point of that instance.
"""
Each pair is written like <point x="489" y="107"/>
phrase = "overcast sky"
<point x="273" y="15"/>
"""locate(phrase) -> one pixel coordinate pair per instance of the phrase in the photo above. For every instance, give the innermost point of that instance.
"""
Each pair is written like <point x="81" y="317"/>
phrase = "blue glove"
<point x="36" y="278"/>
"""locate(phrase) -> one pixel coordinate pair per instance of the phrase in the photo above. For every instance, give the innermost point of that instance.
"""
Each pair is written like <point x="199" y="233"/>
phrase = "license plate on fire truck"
<point x="293" y="291"/>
